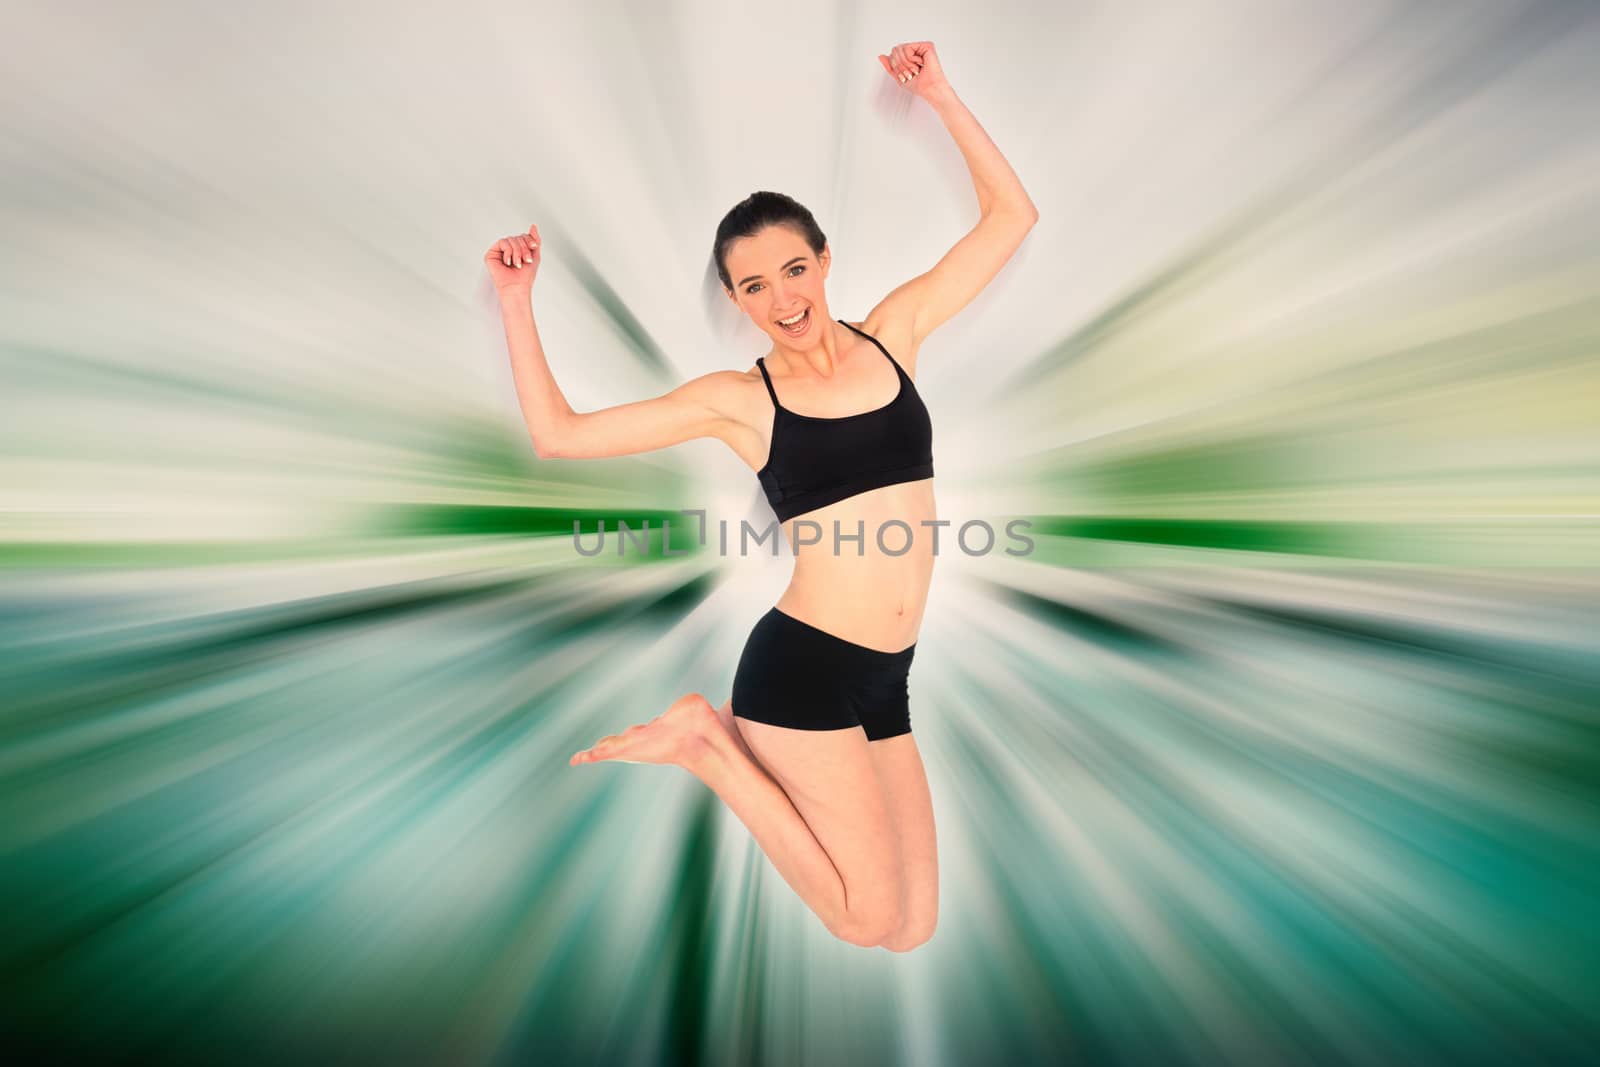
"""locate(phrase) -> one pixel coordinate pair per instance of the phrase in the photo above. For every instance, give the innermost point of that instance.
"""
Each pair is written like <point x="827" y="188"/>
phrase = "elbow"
<point x="552" y="444"/>
<point x="1022" y="212"/>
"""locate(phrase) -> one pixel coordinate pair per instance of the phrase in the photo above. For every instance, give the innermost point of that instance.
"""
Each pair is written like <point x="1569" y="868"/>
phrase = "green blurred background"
<point x="1280" y="747"/>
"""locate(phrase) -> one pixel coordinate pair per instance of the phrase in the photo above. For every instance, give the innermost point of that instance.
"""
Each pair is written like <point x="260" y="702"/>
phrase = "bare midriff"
<point x="865" y="590"/>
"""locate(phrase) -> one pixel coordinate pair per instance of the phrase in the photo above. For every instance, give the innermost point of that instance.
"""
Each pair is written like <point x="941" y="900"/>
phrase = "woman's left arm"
<point x="1006" y="212"/>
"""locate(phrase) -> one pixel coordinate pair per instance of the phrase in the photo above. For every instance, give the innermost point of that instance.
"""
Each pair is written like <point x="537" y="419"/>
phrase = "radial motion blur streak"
<point x="1280" y="746"/>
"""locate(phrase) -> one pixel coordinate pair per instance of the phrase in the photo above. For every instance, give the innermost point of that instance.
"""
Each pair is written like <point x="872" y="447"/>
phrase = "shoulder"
<point x="727" y="392"/>
<point x="731" y="404"/>
<point x="891" y="324"/>
<point x="741" y="399"/>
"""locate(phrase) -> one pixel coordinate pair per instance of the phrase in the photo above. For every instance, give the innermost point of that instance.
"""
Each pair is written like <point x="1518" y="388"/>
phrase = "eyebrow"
<point x="786" y="266"/>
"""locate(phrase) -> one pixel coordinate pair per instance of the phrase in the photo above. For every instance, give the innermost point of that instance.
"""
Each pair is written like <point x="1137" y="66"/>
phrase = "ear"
<point x="825" y="257"/>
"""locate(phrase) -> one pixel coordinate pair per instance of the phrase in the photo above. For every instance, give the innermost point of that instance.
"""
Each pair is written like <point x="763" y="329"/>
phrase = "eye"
<point x="751" y="288"/>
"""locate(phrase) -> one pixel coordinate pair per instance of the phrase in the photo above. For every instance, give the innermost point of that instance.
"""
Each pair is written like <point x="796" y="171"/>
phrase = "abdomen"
<point x="857" y="589"/>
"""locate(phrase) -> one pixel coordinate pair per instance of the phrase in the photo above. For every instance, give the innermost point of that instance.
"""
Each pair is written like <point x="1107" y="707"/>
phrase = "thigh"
<point x="830" y="778"/>
<point x="898" y="765"/>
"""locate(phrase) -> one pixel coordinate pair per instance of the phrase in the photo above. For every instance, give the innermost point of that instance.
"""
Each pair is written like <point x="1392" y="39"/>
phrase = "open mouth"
<point x="799" y="326"/>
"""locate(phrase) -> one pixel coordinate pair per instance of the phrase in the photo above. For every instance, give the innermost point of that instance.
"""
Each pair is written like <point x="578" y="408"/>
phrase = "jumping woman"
<point x="813" y="751"/>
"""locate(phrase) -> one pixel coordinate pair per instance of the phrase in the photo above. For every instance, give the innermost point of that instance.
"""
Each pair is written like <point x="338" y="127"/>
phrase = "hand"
<point x="514" y="261"/>
<point x="916" y="67"/>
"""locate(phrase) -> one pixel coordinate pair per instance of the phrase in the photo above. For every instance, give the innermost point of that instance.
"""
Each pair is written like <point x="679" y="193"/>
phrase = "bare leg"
<point x="725" y="716"/>
<point x="899" y="767"/>
<point x="691" y="735"/>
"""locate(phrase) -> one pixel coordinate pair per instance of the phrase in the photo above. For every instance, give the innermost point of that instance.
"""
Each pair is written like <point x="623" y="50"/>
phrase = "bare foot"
<point x="678" y="735"/>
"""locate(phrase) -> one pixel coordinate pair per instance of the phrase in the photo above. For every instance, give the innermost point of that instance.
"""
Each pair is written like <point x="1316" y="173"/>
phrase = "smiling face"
<point x="776" y="276"/>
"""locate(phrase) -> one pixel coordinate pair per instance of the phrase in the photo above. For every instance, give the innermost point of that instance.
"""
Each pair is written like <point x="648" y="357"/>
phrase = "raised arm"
<point x="693" y="409"/>
<point x="700" y="407"/>
<point x="1006" y="212"/>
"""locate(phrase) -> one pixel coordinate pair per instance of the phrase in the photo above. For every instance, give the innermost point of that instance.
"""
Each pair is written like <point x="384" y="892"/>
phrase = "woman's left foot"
<point x="677" y="735"/>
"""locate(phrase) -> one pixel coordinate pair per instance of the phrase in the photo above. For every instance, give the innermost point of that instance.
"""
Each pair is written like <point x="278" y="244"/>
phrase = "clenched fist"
<point x="916" y="68"/>
<point x="514" y="261"/>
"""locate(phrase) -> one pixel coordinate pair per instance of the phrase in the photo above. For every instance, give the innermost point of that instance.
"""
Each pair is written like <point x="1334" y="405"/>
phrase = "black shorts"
<point x="793" y="674"/>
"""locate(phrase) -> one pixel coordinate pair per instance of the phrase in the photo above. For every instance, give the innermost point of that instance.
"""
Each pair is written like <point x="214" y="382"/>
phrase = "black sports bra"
<point x="816" y="461"/>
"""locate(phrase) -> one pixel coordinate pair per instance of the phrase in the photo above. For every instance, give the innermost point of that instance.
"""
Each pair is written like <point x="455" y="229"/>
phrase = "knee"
<point x="870" y="929"/>
<point x="909" y="937"/>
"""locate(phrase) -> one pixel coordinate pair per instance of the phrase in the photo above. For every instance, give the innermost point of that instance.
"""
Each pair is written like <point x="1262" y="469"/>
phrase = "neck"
<point x="822" y="357"/>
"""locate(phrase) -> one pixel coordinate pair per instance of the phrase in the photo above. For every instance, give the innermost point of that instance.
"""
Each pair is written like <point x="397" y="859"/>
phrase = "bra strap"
<point x="875" y="341"/>
<point x="761" y="362"/>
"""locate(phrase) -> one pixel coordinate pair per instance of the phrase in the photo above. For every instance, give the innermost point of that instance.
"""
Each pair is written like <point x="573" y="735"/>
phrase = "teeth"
<point x="792" y="322"/>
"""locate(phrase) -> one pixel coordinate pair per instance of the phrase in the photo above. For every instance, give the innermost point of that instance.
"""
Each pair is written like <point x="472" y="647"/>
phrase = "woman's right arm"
<point x="700" y="407"/>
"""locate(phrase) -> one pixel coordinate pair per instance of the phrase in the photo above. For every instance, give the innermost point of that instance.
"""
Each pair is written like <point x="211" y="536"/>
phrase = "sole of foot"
<point x="671" y="737"/>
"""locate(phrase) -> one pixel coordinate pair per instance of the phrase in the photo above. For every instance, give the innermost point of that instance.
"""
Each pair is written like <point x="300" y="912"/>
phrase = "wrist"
<point x="514" y="295"/>
<point x="941" y="97"/>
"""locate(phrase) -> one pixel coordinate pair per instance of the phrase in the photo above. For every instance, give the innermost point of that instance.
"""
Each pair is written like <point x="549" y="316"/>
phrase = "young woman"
<point x="813" y="751"/>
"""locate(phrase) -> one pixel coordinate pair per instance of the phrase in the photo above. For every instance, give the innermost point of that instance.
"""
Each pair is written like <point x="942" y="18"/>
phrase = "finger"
<point x="886" y="66"/>
<point x="520" y="251"/>
<point x="907" y="66"/>
<point x="505" y="249"/>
